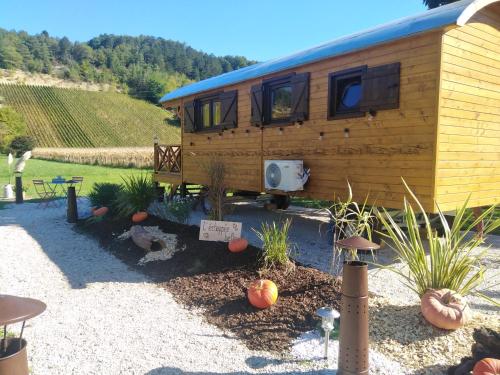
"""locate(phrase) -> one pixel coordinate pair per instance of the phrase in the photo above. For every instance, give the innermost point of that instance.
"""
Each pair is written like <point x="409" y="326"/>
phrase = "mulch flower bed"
<point x="207" y="276"/>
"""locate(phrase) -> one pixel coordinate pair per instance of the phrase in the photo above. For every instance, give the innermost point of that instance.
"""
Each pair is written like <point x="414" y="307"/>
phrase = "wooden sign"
<point x="224" y="231"/>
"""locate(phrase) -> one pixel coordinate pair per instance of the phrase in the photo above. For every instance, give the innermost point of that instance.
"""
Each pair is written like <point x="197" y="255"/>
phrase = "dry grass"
<point x="136" y="157"/>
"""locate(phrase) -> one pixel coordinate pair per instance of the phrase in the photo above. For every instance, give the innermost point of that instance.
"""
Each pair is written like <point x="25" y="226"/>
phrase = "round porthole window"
<point x="351" y="95"/>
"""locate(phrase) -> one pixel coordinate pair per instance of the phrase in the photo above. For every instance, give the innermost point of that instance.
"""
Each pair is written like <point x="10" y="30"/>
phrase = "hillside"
<point x="23" y="77"/>
<point x="59" y="117"/>
<point x="144" y="66"/>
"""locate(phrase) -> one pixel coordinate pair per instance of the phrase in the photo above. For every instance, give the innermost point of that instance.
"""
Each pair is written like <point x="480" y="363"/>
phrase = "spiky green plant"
<point x="276" y="245"/>
<point x="454" y="262"/>
<point x="104" y="194"/>
<point x="137" y="194"/>
<point x="351" y="219"/>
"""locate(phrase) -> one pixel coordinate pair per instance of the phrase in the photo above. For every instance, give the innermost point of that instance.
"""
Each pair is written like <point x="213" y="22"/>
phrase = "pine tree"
<point x="437" y="3"/>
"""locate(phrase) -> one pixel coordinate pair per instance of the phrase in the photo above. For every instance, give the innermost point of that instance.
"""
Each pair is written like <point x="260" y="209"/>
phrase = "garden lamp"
<point x="328" y="316"/>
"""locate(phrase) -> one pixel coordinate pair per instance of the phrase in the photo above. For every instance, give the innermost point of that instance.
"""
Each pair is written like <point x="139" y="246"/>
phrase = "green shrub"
<point x="12" y="125"/>
<point x="180" y="209"/>
<point x="137" y="194"/>
<point x="453" y="262"/>
<point x="276" y="246"/>
<point x="104" y="194"/>
<point x="22" y="144"/>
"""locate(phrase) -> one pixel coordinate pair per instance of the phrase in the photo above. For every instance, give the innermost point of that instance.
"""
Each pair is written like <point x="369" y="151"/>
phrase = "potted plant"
<point x="442" y="268"/>
<point x="18" y="170"/>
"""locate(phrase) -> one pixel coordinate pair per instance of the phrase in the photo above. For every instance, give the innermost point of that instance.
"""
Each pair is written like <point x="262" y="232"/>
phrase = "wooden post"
<point x="19" y="189"/>
<point x="480" y="226"/>
<point x="155" y="154"/>
<point x="72" y="212"/>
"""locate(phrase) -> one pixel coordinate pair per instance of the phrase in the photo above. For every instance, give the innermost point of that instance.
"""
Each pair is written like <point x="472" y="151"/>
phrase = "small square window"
<point x="345" y="93"/>
<point x="277" y="100"/>
<point x="281" y="102"/>
<point x="209" y="113"/>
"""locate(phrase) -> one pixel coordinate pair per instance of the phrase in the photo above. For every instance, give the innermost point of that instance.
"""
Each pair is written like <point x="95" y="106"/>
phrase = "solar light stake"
<point x="328" y="316"/>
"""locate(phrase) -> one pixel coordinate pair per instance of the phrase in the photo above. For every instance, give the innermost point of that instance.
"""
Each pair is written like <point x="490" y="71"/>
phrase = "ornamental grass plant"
<point x="453" y="261"/>
<point x="104" y="194"/>
<point x="349" y="219"/>
<point x="137" y="194"/>
<point x="276" y="246"/>
<point x="217" y="170"/>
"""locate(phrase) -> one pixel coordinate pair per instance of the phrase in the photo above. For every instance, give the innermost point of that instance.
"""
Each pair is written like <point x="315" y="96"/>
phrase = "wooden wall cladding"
<point x="375" y="155"/>
<point x="468" y="152"/>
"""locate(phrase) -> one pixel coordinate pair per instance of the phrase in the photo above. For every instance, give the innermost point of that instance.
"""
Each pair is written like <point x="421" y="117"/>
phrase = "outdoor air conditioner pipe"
<point x="353" y="345"/>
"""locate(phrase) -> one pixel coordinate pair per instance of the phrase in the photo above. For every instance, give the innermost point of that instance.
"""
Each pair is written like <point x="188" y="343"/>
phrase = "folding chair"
<point x="45" y="192"/>
<point x="77" y="180"/>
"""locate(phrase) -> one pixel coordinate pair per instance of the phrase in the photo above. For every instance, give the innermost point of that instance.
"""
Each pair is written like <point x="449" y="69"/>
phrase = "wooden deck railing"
<point x="167" y="158"/>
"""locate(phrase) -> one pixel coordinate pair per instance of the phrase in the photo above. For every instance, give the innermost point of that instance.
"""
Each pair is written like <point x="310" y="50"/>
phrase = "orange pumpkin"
<point x="445" y="309"/>
<point x="487" y="366"/>
<point x="237" y="245"/>
<point x="100" y="211"/>
<point x="139" y="216"/>
<point x="262" y="293"/>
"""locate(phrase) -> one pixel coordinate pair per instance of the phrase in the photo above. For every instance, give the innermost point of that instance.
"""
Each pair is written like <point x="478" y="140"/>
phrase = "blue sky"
<point x="257" y="29"/>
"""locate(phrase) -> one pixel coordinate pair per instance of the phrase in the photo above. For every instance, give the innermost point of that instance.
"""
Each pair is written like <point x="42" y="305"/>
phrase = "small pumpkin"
<point x="487" y="366"/>
<point x="139" y="216"/>
<point x="237" y="245"/>
<point x="262" y="293"/>
<point x="445" y="308"/>
<point x="100" y="211"/>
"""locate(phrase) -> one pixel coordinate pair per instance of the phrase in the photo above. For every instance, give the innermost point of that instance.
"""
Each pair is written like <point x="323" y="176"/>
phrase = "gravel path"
<point x="103" y="318"/>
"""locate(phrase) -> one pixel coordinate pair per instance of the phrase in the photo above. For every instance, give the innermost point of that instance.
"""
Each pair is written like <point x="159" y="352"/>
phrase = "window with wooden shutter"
<point x="256" y="98"/>
<point x="381" y="87"/>
<point x="300" y="97"/>
<point x="189" y="117"/>
<point x="229" y="109"/>
<point x="345" y="92"/>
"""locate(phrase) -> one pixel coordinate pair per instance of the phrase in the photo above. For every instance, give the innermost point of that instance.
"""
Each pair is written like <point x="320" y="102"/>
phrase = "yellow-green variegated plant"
<point x="453" y="260"/>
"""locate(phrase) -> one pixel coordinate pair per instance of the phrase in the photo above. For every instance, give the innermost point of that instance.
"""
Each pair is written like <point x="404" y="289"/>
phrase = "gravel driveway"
<point x="105" y="319"/>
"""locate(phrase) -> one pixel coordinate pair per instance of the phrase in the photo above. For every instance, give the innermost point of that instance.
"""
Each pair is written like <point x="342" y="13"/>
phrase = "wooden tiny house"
<point x="417" y="98"/>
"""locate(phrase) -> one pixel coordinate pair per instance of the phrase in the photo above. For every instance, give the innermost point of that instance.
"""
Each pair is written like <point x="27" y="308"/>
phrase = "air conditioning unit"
<point x="285" y="175"/>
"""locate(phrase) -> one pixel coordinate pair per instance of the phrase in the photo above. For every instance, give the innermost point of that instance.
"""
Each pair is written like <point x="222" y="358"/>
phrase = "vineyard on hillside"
<point x="58" y="117"/>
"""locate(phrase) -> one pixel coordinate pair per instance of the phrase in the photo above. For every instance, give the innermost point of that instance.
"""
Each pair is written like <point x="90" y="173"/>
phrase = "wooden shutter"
<point x="189" y="117"/>
<point x="256" y="98"/>
<point x="381" y="87"/>
<point x="229" y="109"/>
<point x="300" y="97"/>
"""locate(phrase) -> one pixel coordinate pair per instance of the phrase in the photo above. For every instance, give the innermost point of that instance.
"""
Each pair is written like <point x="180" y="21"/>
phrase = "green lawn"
<point x="47" y="170"/>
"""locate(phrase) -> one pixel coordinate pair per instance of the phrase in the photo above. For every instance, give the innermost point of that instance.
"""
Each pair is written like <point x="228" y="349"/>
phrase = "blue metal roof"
<point x="432" y="19"/>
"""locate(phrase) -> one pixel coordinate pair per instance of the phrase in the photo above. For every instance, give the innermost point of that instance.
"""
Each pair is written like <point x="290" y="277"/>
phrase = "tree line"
<point x="144" y="66"/>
